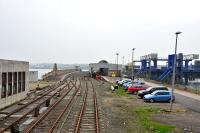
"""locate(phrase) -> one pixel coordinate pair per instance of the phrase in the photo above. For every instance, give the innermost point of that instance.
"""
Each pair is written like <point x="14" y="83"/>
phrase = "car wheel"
<point x="151" y="100"/>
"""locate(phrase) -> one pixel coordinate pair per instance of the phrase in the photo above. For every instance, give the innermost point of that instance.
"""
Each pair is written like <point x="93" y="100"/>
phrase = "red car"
<point x="135" y="88"/>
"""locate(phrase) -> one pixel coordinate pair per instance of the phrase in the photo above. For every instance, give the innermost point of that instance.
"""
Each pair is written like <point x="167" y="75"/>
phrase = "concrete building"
<point x="14" y="81"/>
<point x="33" y="76"/>
<point x="105" y="68"/>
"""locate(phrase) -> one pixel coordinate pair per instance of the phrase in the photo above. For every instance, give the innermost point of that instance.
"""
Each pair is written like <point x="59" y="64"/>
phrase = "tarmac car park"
<point x="152" y="94"/>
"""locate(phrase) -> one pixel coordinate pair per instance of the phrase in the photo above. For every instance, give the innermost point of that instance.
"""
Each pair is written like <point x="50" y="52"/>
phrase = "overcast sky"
<point x="85" y="31"/>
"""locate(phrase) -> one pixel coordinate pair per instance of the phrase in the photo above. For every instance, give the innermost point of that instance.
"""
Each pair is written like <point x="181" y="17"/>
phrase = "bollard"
<point x="14" y="129"/>
<point x="47" y="103"/>
<point x="36" y="113"/>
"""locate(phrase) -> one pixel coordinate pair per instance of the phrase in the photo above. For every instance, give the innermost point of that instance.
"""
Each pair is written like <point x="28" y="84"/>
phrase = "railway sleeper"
<point x="88" y="126"/>
<point x="87" y="130"/>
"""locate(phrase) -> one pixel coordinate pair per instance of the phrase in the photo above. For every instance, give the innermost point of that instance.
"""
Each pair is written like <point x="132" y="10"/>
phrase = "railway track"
<point x="9" y="122"/>
<point x="75" y="110"/>
<point x="48" y="120"/>
<point x="88" y="118"/>
<point x="84" y="116"/>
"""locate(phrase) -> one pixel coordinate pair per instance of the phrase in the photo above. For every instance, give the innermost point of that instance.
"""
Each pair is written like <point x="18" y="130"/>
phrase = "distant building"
<point x="33" y="76"/>
<point x="14" y="81"/>
<point x="105" y="68"/>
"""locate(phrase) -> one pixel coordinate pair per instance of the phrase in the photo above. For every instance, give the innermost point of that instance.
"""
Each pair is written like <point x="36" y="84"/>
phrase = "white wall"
<point x="33" y="76"/>
<point x="13" y="66"/>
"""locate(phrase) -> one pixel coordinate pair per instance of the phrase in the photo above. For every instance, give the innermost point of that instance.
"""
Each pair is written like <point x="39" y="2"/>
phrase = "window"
<point x="9" y="83"/>
<point x="15" y="83"/>
<point x="152" y="90"/>
<point x="166" y="93"/>
<point x="23" y="81"/>
<point x="19" y="82"/>
<point x="163" y="88"/>
<point x="159" y="93"/>
<point x="4" y="85"/>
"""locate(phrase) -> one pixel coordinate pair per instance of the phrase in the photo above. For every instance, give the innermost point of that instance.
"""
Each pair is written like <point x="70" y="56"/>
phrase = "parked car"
<point x="124" y="81"/>
<point x="159" y="96"/>
<point x="129" y="84"/>
<point x="150" y="90"/>
<point x="135" y="88"/>
<point x="118" y="80"/>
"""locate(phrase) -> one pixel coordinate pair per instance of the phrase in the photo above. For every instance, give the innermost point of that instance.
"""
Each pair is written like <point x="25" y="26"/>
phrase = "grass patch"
<point x="144" y="118"/>
<point x="121" y="91"/>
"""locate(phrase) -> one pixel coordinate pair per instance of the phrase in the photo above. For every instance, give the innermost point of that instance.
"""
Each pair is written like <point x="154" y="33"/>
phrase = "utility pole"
<point x="174" y="71"/>
<point x="123" y="61"/>
<point x="117" y="64"/>
<point x="132" y="64"/>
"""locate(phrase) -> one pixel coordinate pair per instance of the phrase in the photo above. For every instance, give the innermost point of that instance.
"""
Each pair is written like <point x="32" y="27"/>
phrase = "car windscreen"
<point x="162" y="88"/>
<point x="136" y="86"/>
<point x="149" y="89"/>
<point x="155" y="92"/>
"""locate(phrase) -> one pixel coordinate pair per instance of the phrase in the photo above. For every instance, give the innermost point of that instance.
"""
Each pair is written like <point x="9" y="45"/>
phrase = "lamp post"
<point x="174" y="71"/>
<point x="132" y="64"/>
<point x="122" y="61"/>
<point x="117" y="63"/>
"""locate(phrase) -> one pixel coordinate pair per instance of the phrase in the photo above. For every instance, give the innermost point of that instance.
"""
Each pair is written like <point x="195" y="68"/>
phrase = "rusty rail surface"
<point x="63" y="112"/>
<point x="28" y="104"/>
<point x="51" y="88"/>
<point x="49" y="110"/>
<point x="83" y="108"/>
<point x="96" y="110"/>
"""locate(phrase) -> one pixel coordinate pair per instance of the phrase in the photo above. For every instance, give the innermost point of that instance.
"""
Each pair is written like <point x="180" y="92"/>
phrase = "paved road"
<point x="187" y="102"/>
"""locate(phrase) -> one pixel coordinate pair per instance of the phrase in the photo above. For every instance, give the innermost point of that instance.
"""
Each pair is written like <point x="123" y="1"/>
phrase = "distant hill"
<point x="60" y="66"/>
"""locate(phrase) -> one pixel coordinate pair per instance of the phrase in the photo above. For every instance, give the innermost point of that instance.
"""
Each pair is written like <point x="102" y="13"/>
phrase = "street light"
<point x="174" y="70"/>
<point x="117" y="62"/>
<point x="132" y="64"/>
<point x="122" y="61"/>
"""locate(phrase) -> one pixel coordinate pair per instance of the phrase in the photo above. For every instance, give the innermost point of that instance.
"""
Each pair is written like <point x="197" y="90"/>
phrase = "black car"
<point x="150" y="90"/>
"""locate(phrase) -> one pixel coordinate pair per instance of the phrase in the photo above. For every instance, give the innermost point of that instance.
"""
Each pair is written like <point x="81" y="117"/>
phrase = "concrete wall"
<point x="33" y="76"/>
<point x="9" y="66"/>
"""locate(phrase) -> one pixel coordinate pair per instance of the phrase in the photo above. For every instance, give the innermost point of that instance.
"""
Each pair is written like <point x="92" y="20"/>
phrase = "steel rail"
<point x="46" y="113"/>
<point x="96" y="110"/>
<point x="82" y="110"/>
<point x="19" y="119"/>
<point x="28" y="104"/>
<point x="66" y="107"/>
<point x="33" y="101"/>
<point x="70" y="109"/>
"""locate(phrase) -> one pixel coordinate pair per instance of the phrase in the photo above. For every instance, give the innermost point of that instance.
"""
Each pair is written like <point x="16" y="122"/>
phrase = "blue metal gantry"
<point x="184" y="71"/>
